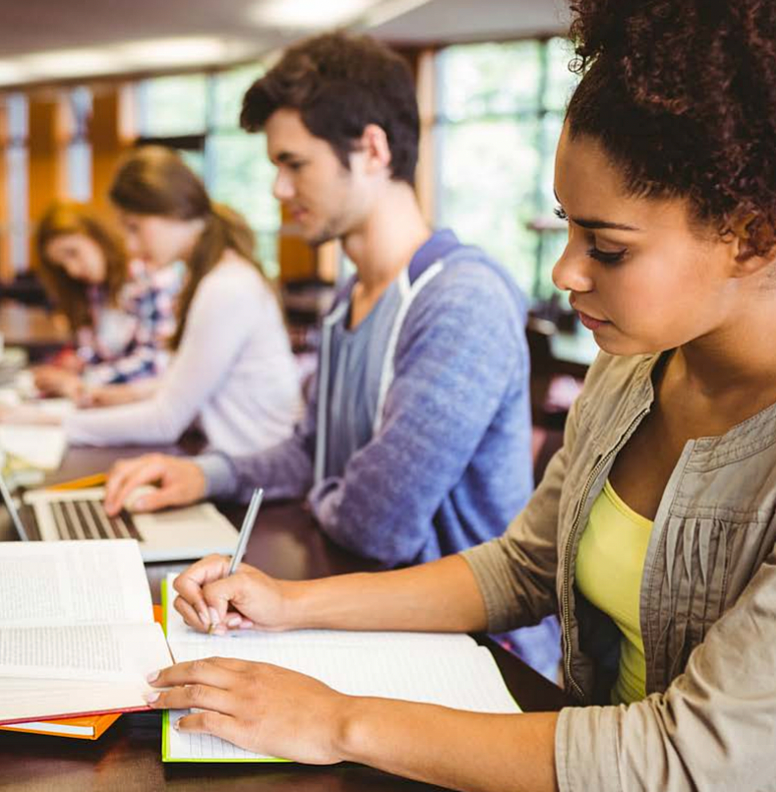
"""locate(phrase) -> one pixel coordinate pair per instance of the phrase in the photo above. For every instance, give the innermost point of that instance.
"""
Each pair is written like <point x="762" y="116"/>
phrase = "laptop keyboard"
<point x="87" y="519"/>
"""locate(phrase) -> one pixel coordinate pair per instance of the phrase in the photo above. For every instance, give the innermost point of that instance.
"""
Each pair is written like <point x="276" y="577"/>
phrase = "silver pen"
<point x="245" y="534"/>
<point x="246" y="529"/>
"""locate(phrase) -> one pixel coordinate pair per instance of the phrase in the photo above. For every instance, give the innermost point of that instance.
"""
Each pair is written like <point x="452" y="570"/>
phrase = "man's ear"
<point x="374" y="146"/>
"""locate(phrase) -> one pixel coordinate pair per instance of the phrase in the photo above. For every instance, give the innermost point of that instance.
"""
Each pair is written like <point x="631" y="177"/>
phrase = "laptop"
<point x="171" y="535"/>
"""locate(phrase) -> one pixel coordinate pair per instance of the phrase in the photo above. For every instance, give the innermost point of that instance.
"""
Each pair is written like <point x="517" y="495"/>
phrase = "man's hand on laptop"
<point x="178" y="483"/>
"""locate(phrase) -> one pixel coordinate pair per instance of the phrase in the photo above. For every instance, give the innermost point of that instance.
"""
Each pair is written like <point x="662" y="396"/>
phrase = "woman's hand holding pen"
<point x="257" y="706"/>
<point x="211" y="600"/>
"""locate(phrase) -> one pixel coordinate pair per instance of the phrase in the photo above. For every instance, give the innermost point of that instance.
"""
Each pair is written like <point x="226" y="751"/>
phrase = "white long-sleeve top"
<point x="233" y="372"/>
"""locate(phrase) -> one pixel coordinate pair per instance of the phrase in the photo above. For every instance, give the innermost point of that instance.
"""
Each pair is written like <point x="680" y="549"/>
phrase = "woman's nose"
<point x="572" y="270"/>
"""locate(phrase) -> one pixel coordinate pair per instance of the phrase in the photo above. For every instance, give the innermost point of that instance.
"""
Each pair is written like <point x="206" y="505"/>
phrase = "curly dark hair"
<point x="341" y="83"/>
<point x="682" y="95"/>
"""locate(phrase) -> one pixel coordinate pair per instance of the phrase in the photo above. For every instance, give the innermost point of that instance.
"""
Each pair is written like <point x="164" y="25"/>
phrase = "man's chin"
<point x="319" y="238"/>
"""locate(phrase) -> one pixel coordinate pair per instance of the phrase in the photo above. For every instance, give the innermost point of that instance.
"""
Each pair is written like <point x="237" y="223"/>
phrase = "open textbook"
<point x="435" y="668"/>
<point x="77" y="634"/>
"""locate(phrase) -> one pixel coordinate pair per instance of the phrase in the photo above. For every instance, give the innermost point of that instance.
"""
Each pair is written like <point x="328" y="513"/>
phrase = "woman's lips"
<point x="590" y="322"/>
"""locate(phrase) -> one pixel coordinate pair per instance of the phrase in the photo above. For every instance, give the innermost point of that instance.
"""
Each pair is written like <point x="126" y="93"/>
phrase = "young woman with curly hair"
<point x="653" y="530"/>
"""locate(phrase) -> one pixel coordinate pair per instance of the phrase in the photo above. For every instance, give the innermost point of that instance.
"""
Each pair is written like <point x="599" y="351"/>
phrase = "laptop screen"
<point x="13" y="511"/>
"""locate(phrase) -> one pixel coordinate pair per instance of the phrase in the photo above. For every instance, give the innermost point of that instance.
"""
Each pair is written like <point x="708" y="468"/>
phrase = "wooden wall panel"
<point x="297" y="260"/>
<point x="47" y="155"/>
<point x="108" y="133"/>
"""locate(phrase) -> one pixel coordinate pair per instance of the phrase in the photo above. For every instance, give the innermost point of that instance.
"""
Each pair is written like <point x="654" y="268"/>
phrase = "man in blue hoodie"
<point x="417" y="443"/>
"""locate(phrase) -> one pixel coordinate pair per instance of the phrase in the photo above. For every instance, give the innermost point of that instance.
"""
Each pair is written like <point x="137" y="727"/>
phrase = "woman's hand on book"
<point x="257" y="706"/>
<point x="211" y="600"/>
<point x="179" y="482"/>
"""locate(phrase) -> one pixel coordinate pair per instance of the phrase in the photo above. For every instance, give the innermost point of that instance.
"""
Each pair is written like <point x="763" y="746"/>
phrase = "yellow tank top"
<point x="609" y="567"/>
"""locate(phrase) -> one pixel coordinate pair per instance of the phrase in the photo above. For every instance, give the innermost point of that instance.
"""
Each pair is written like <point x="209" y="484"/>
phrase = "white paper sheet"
<point x="82" y="652"/>
<point x="87" y="582"/>
<point x="38" y="446"/>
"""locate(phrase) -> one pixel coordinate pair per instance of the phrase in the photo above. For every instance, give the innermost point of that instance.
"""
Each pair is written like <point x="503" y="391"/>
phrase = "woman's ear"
<point x="749" y="237"/>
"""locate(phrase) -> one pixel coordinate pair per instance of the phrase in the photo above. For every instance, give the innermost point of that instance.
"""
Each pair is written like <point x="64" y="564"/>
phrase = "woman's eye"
<point x="607" y="257"/>
<point x="559" y="213"/>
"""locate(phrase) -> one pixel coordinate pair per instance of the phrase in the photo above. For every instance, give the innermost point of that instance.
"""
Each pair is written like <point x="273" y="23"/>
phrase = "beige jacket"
<point x="707" y="608"/>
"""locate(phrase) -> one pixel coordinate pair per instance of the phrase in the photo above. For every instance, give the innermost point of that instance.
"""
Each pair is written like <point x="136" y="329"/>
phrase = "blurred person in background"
<point x="233" y="375"/>
<point x="120" y="311"/>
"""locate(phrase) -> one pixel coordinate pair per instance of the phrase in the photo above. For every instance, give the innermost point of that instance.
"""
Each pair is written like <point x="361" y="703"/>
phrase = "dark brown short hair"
<point x="340" y="84"/>
<point x="682" y="95"/>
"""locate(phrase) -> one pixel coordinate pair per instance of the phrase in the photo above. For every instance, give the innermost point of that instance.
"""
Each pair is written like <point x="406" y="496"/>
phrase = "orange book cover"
<point x="90" y="727"/>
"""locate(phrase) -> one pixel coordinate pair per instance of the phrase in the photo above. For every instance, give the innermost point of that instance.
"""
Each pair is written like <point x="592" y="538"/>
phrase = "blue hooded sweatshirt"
<point x="448" y="464"/>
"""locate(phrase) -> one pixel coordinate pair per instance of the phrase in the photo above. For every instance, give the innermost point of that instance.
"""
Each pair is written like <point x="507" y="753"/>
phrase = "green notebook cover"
<point x="167" y="725"/>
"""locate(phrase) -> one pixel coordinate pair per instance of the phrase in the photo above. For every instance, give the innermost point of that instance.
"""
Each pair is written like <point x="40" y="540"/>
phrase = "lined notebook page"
<point x="467" y="680"/>
<point x="450" y="670"/>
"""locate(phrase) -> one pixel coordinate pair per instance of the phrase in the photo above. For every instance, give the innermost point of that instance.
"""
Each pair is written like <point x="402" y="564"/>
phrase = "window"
<point x="17" y="182"/>
<point x="499" y="114"/>
<point x="79" y="149"/>
<point x="239" y="173"/>
<point x="172" y="106"/>
<point x="199" y="115"/>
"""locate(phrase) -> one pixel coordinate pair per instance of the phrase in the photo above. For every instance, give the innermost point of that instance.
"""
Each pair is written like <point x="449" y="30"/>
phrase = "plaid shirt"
<point x="129" y="341"/>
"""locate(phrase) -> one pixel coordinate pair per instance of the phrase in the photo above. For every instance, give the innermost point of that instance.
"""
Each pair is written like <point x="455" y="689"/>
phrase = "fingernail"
<point x="247" y="624"/>
<point x="204" y="618"/>
<point x="152" y="676"/>
<point x="219" y="629"/>
<point x="213" y="616"/>
<point x="151" y="697"/>
<point x="234" y="621"/>
<point x="139" y="504"/>
<point x="175" y="725"/>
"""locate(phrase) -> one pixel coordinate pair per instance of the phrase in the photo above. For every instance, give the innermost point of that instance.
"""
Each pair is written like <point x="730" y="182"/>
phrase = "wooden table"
<point x="35" y="329"/>
<point x="287" y="544"/>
